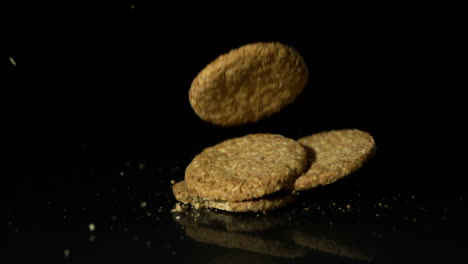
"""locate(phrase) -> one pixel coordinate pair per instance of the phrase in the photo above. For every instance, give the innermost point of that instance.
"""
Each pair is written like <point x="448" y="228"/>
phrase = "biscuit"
<point x="246" y="167"/>
<point x="188" y="196"/>
<point x="333" y="155"/>
<point x="248" y="84"/>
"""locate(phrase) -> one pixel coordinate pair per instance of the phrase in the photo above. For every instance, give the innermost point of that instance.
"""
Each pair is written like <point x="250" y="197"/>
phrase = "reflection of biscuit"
<point x="245" y="241"/>
<point x="348" y="249"/>
<point x="244" y="257"/>
<point x="246" y="167"/>
<point x="248" y="83"/>
<point x="188" y="196"/>
<point x="232" y="222"/>
<point x="333" y="155"/>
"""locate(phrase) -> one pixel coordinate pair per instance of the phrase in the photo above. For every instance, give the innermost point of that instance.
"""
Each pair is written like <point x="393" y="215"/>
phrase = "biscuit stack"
<point x="260" y="172"/>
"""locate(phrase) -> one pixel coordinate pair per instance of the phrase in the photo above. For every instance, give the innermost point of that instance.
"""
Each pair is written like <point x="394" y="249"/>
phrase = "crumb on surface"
<point x="179" y="208"/>
<point x="143" y="204"/>
<point x="173" y="182"/>
<point x="91" y="227"/>
<point x="66" y="252"/>
<point x="12" y="61"/>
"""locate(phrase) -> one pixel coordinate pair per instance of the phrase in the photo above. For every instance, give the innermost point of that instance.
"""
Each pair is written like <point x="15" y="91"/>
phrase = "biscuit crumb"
<point x="179" y="208"/>
<point x="66" y="252"/>
<point x="12" y="61"/>
<point x="173" y="182"/>
<point x="143" y="204"/>
<point x="91" y="227"/>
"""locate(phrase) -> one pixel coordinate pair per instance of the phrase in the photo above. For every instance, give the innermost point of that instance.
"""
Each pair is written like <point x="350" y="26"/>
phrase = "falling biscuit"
<point x="333" y="155"/>
<point x="246" y="167"/>
<point x="187" y="196"/>
<point x="248" y="84"/>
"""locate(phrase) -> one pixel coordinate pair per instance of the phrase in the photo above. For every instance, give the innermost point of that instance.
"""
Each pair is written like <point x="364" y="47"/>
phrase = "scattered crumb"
<point x="12" y="61"/>
<point x="132" y="6"/>
<point x="91" y="227"/>
<point x="377" y="215"/>
<point x="380" y="204"/>
<point x="179" y="208"/>
<point x="92" y="238"/>
<point x="177" y="217"/>
<point x="173" y="182"/>
<point x="141" y="166"/>
<point x="348" y="206"/>
<point x="143" y="204"/>
<point x="66" y="252"/>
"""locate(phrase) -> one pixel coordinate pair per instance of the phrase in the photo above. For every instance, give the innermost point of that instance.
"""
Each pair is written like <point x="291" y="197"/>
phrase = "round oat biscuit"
<point x="333" y="155"/>
<point x="248" y="84"/>
<point x="188" y="196"/>
<point x="246" y="167"/>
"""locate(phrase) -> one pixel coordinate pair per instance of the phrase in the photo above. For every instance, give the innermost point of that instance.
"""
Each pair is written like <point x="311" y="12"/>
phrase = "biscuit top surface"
<point x="248" y="83"/>
<point x="334" y="154"/>
<point x="246" y="167"/>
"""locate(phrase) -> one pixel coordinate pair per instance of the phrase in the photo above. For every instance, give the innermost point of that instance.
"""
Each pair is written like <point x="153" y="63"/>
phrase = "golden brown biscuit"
<point x="333" y="155"/>
<point x="248" y="84"/>
<point x="246" y="167"/>
<point x="188" y="196"/>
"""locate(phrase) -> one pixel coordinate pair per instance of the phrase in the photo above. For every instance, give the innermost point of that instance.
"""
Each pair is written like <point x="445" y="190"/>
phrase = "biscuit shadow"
<point x="275" y="235"/>
<point x="311" y="154"/>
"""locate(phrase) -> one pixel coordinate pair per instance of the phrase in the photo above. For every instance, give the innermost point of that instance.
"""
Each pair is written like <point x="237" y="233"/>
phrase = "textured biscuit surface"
<point x="248" y="83"/>
<point x="334" y="154"/>
<point x="246" y="167"/>
<point x="187" y="196"/>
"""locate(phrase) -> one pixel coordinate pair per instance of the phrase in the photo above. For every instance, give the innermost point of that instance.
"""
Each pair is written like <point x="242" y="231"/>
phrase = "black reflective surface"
<point x="371" y="216"/>
<point x="97" y="124"/>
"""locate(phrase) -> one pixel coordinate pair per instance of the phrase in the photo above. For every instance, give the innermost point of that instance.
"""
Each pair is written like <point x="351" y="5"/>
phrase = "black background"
<point x="99" y="89"/>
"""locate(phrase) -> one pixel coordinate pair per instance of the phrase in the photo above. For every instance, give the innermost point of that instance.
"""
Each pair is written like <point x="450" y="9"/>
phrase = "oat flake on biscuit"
<point x="333" y="155"/>
<point x="188" y="196"/>
<point x="246" y="167"/>
<point x="248" y="84"/>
